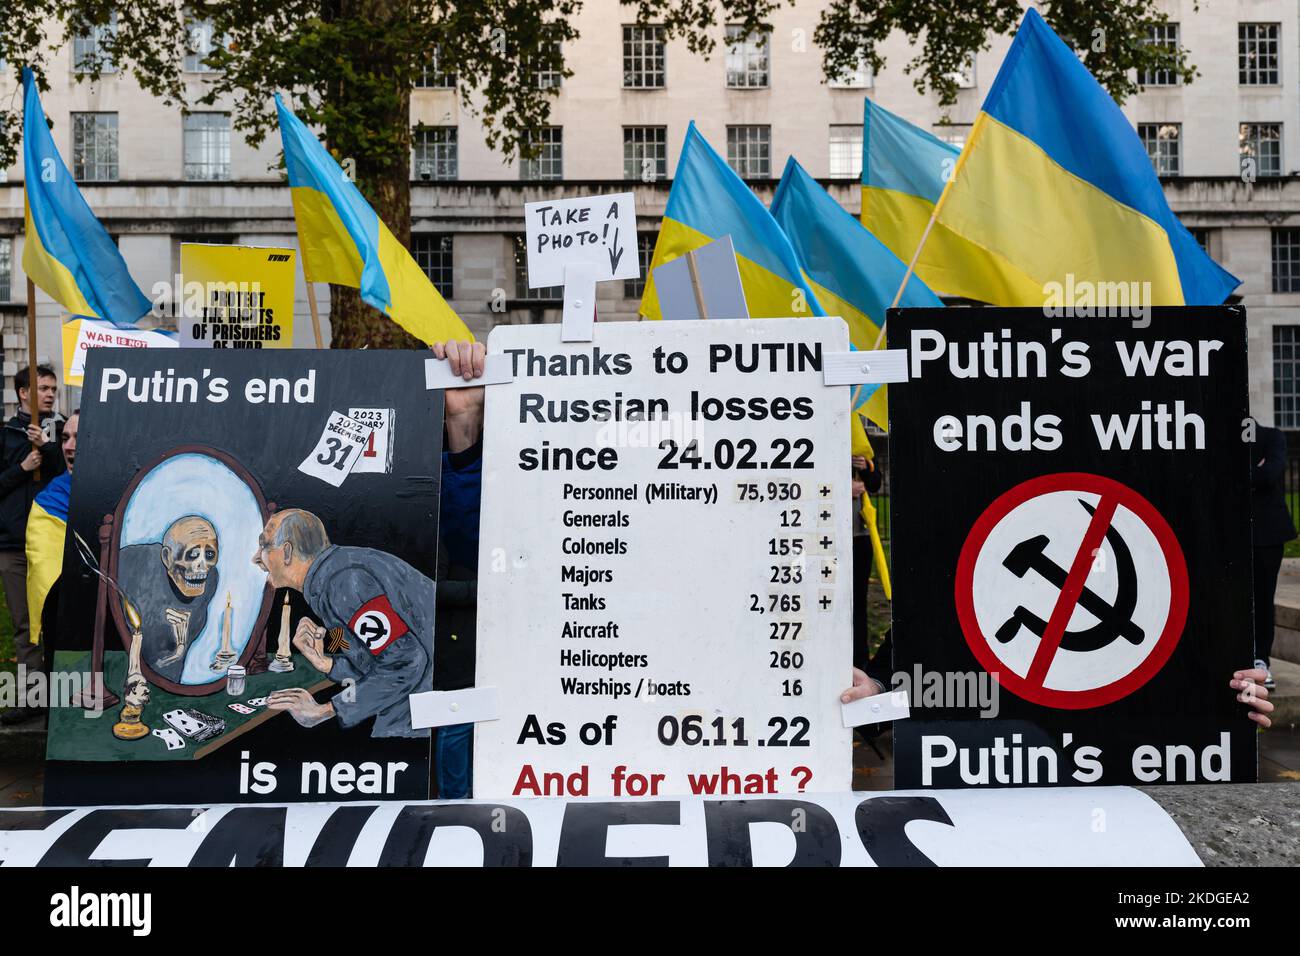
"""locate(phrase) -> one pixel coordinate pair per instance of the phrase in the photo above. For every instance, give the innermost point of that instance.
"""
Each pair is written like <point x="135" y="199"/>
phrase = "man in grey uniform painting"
<point x="378" y="611"/>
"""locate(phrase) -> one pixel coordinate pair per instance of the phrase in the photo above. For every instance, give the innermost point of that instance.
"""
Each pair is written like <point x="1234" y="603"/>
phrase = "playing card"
<point x="256" y="702"/>
<point x="183" y="722"/>
<point x="171" y="738"/>
<point x="195" y="724"/>
<point x="242" y="708"/>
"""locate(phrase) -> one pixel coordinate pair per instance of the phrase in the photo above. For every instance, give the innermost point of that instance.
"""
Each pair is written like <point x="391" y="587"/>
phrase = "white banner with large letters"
<point x="1096" y="826"/>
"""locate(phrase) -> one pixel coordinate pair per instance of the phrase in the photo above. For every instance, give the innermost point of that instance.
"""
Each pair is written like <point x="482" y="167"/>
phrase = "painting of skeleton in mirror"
<point x="181" y="528"/>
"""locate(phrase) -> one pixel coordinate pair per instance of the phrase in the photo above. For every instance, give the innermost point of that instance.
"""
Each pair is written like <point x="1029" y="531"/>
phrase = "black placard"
<point x="236" y="426"/>
<point x="1070" y="500"/>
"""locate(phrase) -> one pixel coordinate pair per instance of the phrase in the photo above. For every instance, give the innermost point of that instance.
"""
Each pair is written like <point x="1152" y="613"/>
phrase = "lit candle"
<point x="283" y="661"/>
<point x="226" y="655"/>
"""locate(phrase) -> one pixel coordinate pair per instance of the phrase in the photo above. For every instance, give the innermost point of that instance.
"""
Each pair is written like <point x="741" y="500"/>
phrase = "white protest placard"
<point x="82" y="334"/>
<point x="595" y="230"/>
<point x="338" y="449"/>
<point x="377" y="457"/>
<point x="665" y="562"/>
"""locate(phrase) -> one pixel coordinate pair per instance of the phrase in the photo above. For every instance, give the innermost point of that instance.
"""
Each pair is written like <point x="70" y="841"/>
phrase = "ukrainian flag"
<point x="342" y="240"/>
<point x="904" y="171"/>
<point x="46" y="526"/>
<point x="1055" y="183"/>
<point x="65" y="249"/>
<point x="851" y="272"/>
<point x="708" y="201"/>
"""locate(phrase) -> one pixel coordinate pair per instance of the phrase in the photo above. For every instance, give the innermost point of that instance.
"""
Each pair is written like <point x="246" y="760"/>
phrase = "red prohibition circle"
<point x="1178" y="591"/>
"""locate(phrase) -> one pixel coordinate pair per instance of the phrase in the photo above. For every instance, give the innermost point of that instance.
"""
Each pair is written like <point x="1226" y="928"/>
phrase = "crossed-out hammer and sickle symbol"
<point x="1113" y="620"/>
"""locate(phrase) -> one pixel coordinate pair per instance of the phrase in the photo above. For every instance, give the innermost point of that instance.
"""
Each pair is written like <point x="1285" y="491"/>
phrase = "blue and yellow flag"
<point x="904" y="171"/>
<point x="708" y="201"/>
<point x="342" y="240"/>
<point x="66" y="251"/>
<point x="46" y="525"/>
<point x="1055" y="183"/>
<point x="851" y="272"/>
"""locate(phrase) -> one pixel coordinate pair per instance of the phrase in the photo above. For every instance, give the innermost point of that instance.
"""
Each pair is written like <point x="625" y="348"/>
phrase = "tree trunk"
<point x="383" y="176"/>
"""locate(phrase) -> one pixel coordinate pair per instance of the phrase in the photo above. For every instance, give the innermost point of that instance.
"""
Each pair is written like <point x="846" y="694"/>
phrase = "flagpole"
<point x="31" y="364"/>
<point x="315" y="314"/>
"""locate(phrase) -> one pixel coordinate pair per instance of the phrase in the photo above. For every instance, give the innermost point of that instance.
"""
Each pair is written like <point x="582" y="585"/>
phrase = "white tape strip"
<point x="497" y="370"/>
<point x="874" y="710"/>
<point x="879" y="366"/>
<point x="446" y="708"/>
<point x="579" y="302"/>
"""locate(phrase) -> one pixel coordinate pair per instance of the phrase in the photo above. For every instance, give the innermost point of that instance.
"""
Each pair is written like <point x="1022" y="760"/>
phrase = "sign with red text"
<point x="664" y="562"/>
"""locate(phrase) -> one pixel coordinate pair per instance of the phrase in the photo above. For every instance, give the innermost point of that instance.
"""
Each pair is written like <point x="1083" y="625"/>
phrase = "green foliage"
<point x="347" y="65"/>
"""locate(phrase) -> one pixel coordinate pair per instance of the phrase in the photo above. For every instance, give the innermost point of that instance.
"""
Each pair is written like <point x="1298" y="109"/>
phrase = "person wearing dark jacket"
<point x="458" y="524"/>
<point x="1272" y="528"/>
<point x="25" y="448"/>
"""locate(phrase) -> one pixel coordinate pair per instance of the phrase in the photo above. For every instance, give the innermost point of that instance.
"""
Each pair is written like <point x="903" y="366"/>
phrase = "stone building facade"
<point x="158" y="177"/>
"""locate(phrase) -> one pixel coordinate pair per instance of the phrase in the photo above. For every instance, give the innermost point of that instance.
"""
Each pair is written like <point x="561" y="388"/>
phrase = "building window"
<point x="431" y="75"/>
<point x="645" y="153"/>
<point x="1258" y="60"/>
<point x="1164" y="145"/>
<point x="859" y="78"/>
<point x="1261" y="144"/>
<point x="434" y="152"/>
<point x="846" y="152"/>
<point x="521" y="275"/>
<point x="207" y="145"/>
<point x="1286" y="260"/>
<point x="747" y="59"/>
<point x="1286" y="376"/>
<point x="549" y="163"/>
<point x="202" y="43"/>
<point x="6" y="268"/>
<point x="954" y="134"/>
<point x="645" y="250"/>
<point x="1165" y="35"/>
<point x="1202" y="237"/>
<point x="88" y="48"/>
<point x="94" y="147"/>
<point x="547" y="79"/>
<point x="433" y="253"/>
<point x="643" y="58"/>
<point x="749" y="151"/>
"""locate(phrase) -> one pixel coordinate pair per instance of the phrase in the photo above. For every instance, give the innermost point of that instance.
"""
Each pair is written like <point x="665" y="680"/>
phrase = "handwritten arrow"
<point x="615" y="253"/>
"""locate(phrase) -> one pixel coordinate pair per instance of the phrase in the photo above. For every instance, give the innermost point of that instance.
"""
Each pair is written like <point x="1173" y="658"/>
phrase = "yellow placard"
<point x="237" y="297"/>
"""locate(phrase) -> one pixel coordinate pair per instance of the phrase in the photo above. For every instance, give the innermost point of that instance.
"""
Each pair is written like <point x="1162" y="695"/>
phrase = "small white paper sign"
<point x="596" y="230"/>
<point x="377" y="456"/>
<point x="337" y="450"/>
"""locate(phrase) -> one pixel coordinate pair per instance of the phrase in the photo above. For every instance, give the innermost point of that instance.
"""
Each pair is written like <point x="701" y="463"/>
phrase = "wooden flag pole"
<point x="31" y="365"/>
<point x="695" y="285"/>
<point x="315" y="314"/>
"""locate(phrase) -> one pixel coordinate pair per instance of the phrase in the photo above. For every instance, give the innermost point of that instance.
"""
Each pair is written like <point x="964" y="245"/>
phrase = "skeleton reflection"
<point x="172" y="582"/>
